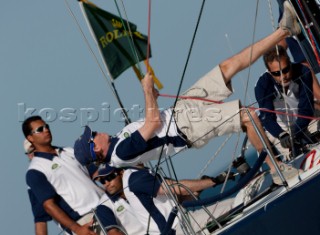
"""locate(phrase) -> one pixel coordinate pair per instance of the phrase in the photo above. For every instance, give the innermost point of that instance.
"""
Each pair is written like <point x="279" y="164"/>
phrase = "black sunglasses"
<point x="284" y="71"/>
<point x="110" y="177"/>
<point x="40" y="129"/>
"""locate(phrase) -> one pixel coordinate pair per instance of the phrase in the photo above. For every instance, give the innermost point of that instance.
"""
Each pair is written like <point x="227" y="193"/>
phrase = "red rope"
<point x="252" y="108"/>
<point x="149" y="26"/>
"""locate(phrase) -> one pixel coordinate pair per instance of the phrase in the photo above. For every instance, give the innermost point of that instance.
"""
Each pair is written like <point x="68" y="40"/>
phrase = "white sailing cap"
<point x="28" y="147"/>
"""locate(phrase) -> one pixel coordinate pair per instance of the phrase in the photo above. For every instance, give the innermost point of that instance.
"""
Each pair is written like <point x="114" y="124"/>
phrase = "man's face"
<point x="286" y="75"/>
<point x="113" y="183"/>
<point x="101" y="142"/>
<point x="40" y="133"/>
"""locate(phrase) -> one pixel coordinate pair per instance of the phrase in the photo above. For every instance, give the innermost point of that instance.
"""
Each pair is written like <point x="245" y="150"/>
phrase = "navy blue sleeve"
<point x="142" y="181"/>
<point x="306" y="102"/>
<point x="264" y="92"/>
<point x="40" y="186"/>
<point x="132" y="147"/>
<point x="106" y="216"/>
<point x="39" y="213"/>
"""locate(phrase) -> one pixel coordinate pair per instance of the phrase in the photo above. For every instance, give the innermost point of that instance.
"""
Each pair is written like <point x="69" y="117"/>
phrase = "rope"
<point x="250" y="107"/>
<point x="149" y="26"/>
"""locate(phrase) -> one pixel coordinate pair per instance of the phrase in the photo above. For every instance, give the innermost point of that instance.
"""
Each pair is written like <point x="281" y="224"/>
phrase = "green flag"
<point x="114" y="40"/>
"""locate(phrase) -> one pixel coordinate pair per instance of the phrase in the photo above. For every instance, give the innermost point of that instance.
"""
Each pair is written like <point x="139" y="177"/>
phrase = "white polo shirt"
<point x="129" y="148"/>
<point x="62" y="176"/>
<point x="123" y="213"/>
<point x="138" y="185"/>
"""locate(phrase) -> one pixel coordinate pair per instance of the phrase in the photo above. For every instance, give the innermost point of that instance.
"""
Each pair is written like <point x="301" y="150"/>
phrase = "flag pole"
<point x="113" y="88"/>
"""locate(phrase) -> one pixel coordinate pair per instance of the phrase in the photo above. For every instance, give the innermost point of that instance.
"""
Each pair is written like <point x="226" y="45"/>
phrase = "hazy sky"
<point x="47" y="69"/>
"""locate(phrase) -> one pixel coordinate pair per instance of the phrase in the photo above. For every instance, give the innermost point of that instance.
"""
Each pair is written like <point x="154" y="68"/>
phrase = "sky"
<point x="47" y="69"/>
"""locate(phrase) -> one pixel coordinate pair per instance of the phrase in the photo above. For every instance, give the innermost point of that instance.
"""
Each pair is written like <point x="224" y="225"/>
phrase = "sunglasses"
<point x="91" y="143"/>
<point x="41" y="129"/>
<point x="283" y="71"/>
<point x="110" y="177"/>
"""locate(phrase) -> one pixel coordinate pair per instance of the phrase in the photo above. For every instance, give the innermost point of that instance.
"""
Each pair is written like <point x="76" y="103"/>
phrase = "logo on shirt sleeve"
<point x="126" y="134"/>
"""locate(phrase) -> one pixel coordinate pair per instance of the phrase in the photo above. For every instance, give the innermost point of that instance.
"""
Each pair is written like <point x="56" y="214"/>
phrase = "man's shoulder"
<point x="264" y="81"/>
<point x="264" y="78"/>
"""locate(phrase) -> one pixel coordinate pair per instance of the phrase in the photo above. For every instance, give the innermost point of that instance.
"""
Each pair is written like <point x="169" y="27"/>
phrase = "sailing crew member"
<point x="114" y="202"/>
<point x="195" y="122"/>
<point x="285" y="87"/>
<point x="40" y="216"/>
<point x="143" y="193"/>
<point x="58" y="184"/>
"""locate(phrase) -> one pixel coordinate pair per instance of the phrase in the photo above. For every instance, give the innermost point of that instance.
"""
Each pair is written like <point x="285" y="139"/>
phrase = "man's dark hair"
<point x="272" y="55"/>
<point x="26" y="127"/>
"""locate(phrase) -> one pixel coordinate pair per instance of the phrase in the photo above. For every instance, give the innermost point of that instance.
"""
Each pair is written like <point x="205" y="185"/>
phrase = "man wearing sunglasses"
<point x="113" y="202"/>
<point x="141" y="193"/>
<point x="286" y="87"/>
<point x="57" y="183"/>
<point x="195" y="121"/>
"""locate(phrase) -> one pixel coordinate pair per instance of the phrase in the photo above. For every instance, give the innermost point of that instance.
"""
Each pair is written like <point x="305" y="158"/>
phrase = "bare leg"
<point x="249" y="55"/>
<point x="253" y="136"/>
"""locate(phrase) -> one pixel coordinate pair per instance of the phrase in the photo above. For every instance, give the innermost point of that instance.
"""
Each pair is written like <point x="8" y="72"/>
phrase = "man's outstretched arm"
<point x="152" y="121"/>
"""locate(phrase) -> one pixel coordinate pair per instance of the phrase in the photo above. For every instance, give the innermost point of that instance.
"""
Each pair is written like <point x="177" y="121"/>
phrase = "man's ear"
<point x="30" y="138"/>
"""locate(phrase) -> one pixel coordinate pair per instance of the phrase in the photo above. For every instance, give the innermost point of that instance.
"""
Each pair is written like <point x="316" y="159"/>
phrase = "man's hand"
<point x="85" y="229"/>
<point x="284" y="138"/>
<point x="153" y="120"/>
<point x="221" y="178"/>
<point x="147" y="82"/>
<point x="148" y="85"/>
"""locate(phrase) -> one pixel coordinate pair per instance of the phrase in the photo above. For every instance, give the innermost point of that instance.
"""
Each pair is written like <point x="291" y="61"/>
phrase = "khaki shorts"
<point x="202" y="120"/>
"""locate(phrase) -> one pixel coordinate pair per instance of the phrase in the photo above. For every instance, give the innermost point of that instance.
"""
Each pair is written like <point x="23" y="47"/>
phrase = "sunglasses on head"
<point x="91" y="143"/>
<point x="110" y="177"/>
<point x="41" y="129"/>
<point x="284" y="71"/>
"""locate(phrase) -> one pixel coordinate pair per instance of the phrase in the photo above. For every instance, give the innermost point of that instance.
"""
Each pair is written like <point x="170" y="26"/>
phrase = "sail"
<point x="120" y="43"/>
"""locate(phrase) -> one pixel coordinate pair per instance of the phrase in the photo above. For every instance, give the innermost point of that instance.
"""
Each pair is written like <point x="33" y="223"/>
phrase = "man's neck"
<point x="46" y="149"/>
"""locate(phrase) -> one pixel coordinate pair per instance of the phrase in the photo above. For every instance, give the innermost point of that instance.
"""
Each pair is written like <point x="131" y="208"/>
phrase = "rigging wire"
<point x="131" y="42"/>
<point x="178" y="92"/>
<point x="251" y="51"/>
<point x="109" y="83"/>
<point x="148" y="57"/>
<point x="215" y="155"/>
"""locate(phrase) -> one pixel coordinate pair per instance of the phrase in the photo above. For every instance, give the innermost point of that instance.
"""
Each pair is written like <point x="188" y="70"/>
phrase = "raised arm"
<point x="152" y="120"/>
